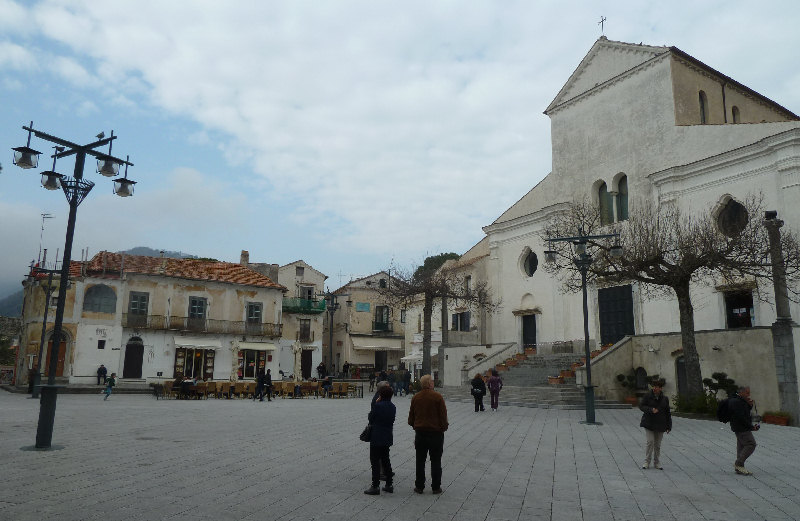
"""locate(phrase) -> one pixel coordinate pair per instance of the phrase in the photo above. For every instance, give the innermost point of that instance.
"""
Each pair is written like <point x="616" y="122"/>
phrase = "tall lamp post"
<point x="583" y="261"/>
<point x="333" y="305"/>
<point x="75" y="188"/>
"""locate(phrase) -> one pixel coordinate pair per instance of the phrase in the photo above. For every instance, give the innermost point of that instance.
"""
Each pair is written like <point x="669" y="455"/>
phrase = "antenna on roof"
<point x="601" y="24"/>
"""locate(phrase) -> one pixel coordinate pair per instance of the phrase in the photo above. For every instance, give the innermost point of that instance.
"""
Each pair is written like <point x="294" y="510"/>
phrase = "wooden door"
<point x="616" y="313"/>
<point x="62" y="355"/>
<point x="305" y="363"/>
<point x="528" y="331"/>
<point x="133" y="361"/>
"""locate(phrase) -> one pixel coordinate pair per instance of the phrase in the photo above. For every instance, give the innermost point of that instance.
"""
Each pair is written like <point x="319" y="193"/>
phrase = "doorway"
<point x="680" y="376"/>
<point x="615" y="307"/>
<point x="528" y="331"/>
<point x="134" y="354"/>
<point x="381" y="360"/>
<point x="305" y="364"/>
<point x="62" y="355"/>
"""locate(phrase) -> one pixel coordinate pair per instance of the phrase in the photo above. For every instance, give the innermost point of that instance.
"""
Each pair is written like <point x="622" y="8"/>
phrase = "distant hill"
<point x="11" y="306"/>
<point x="151" y="252"/>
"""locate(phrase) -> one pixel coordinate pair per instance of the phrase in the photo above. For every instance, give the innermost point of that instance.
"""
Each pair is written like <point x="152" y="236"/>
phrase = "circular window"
<point x="530" y="263"/>
<point x="732" y="219"/>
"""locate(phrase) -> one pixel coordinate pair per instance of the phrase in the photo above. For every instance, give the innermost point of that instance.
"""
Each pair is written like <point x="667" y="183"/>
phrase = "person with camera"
<point x="741" y="408"/>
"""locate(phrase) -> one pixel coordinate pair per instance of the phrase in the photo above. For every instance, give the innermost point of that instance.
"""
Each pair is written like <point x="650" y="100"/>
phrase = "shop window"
<point x="251" y="362"/>
<point x="100" y="299"/>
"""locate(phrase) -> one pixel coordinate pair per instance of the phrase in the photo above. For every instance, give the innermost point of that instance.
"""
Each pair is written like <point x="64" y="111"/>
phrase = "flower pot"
<point x="575" y="365"/>
<point x="631" y="400"/>
<point x="595" y="353"/>
<point x="530" y="350"/>
<point x="775" y="420"/>
<point x="501" y="367"/>
<point x="511" y="362"/>
<point x="555" y="380"/>
<point x="521" y="356"/>
<point x="567" y="373"/>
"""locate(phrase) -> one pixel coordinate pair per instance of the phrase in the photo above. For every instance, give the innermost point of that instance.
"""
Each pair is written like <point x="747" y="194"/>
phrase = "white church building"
<point x="640" y="123"/>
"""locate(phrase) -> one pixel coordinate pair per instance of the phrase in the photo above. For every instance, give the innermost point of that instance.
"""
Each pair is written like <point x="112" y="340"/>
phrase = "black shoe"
<point x="372" y="491"/>
<point x="418" y="490"/>
<point x="436" y="490"/>
<point x="388" y="488"/>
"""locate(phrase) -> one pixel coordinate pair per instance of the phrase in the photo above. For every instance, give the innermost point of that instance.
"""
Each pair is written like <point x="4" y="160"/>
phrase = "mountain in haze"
<point x="11" y="305"/>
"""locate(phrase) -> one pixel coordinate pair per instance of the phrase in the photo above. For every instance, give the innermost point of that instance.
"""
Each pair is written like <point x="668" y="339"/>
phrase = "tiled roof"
<point x="190" y="269"/>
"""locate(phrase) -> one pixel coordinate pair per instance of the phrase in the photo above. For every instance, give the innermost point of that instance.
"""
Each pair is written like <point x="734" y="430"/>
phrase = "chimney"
<point x="244" y="260"/>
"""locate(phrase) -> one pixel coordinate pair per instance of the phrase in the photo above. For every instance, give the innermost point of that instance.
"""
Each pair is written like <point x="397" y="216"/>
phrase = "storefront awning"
<point x="197" y="342"/>
<point x="416" y="356"/>
<point x="257" y="346"/>
<point x="377" y="344"/>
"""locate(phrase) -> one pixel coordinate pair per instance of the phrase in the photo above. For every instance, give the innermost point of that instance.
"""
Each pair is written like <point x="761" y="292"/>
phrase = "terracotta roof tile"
<point x="190" y="269"/>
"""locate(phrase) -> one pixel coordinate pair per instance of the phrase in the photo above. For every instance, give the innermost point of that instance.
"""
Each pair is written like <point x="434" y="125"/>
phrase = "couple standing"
<point x="427" y="416"/>
<point x="495" y="383"/>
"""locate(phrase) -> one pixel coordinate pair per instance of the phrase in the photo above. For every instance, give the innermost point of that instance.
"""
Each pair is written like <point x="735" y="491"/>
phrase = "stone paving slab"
<point x="136" y="458"/>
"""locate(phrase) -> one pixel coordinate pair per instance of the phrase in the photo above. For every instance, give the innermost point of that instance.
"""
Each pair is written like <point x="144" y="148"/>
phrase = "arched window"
<point x="622" y="199"/>
<point x="606" y="205"/>
<point x="100" y="299"/>
<point x="703" y="108"/>
<point x="737" y="118"/>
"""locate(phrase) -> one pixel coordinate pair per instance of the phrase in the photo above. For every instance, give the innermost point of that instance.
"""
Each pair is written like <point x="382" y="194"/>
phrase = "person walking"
<point x="110" y="383"/>
<point x="381" y="416"/>
<point x="478" y="391"/>
<point x="346" y="369"/>
<point x="392" y="379"/>
<point x="101" y="374"/>
<point x="495" y="383"/>
<point x="656" y="420"/>
<point x="321" y="370"/>
<point x="406" y="381"/>
<point x="427" y="415"/>
<point x="260" y="386"/>
<point x="740" y="407"/>
<point x="268" y="385"/>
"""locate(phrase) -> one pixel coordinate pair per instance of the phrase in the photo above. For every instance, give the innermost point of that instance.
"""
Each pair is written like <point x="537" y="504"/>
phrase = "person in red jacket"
<point x="428" y="416"/>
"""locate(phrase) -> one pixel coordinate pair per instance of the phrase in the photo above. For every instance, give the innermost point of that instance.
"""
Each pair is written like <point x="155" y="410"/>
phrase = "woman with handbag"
<point x="381" y="418"/>
<point x="478" y="391"/>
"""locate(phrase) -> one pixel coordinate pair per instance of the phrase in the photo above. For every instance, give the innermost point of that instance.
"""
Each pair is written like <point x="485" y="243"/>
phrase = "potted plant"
<point x="567" y="373"/>
<point x="555" y="380"/>
<point x="776" y="417"/>
<point x="628" y="382"/>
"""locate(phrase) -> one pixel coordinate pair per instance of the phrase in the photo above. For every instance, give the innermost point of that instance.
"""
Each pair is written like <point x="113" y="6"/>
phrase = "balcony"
<point x="302" y="305"/>
<point x="200" y="325"/>
<point x="382" y="327"/>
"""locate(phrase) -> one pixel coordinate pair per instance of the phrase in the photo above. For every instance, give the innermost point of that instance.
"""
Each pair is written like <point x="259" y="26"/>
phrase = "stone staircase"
<point x="528" y="382"/>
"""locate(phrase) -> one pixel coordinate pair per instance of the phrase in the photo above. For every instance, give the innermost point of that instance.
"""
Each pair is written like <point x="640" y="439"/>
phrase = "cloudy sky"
<point x="351" y="134"/>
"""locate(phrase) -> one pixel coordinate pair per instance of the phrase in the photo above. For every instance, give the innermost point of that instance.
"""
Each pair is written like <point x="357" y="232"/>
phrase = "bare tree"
<point x="666" y="249"/>
<point x="429" y="282"/>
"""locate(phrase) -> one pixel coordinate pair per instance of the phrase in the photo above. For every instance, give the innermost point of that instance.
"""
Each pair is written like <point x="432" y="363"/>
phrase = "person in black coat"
<point x="381" y="417"/>
<point x="656" y="420"/>
<point x="478" y="391"/>
<point x="259" y="387"/>
<point x="740" y="406"/>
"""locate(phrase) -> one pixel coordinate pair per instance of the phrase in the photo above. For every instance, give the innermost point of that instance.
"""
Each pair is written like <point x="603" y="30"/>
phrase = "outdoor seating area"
<point x="230" y="390"/>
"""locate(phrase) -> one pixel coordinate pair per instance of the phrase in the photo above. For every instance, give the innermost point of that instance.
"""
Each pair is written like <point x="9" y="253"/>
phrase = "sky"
<point x="354" y="135"/>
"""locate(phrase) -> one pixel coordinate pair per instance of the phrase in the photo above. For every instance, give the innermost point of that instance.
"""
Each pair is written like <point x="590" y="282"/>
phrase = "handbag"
<point x="366" y="434"/>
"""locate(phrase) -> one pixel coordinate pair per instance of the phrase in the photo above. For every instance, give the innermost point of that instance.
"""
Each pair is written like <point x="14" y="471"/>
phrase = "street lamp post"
<point x="333" y="305"/>
<point x="75" y="189"/>
<point x="583" y="261"/>
<point x="37" y="375"/>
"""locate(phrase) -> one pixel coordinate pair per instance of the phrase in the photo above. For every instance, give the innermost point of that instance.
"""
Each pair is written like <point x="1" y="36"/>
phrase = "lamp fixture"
<point x="26" y="157"/>
<point x="123" y="186"/>
<point x="51" y="179"/>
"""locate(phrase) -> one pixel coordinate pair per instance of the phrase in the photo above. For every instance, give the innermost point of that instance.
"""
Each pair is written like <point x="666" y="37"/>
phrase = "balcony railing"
<point x="302" y="305"/>
<point x="200" y="325"/>
<point x="383" y="327"/>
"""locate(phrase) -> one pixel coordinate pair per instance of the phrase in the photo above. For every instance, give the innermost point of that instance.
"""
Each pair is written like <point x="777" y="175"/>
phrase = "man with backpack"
<point x="737" y="409"/>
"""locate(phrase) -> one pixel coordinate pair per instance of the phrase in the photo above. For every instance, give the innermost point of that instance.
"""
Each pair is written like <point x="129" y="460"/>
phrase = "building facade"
<point x="151" y="319"/>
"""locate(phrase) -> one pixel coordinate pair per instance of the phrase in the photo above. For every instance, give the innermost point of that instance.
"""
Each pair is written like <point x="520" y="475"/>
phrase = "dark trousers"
<point x="259" y="392"/>
<point x="495" y="398"/>
<point x="478" y="402"/>
<point x="101" y="379"/>
<point x="429" y="443"/>
<point x="379" y="457"/>
<point x="745" y="445"/>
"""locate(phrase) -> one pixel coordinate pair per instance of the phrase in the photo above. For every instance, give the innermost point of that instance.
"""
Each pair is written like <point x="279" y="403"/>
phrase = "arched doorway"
<point x="62" y="356"/>
<point x="134" y="355"/>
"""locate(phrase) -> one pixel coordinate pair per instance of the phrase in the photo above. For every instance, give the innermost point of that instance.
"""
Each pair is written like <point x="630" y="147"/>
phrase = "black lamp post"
<point x="333" y="305"/>
<point x="583" y="261"/>
<point x="75" y="189"/>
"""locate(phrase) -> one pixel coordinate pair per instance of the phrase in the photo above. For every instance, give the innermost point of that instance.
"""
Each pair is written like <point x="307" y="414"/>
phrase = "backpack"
<point x="724" y="411"/>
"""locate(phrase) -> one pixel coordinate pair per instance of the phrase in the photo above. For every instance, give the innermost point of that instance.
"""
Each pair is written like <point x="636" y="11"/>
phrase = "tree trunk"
<point x="427" y="311"/>
<point x="694" y="379"/>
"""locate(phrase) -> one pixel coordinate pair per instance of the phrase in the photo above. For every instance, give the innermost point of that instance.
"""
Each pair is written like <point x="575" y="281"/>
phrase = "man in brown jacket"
<point x="428" y="417"/>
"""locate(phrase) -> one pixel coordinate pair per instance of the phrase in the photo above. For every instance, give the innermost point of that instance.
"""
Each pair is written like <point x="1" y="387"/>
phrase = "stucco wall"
<point x="744" y="354"/>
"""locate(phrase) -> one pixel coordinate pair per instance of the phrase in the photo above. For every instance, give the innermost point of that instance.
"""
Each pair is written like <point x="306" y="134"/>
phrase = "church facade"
<point x="636" y="124"/>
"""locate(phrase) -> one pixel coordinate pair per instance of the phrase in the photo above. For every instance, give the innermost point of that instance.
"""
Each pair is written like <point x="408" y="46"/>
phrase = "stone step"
<point x="561" y="396"/>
